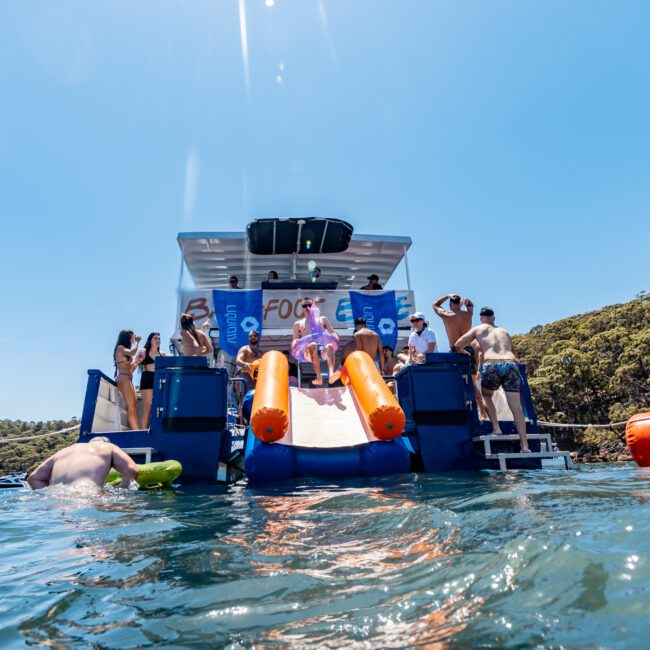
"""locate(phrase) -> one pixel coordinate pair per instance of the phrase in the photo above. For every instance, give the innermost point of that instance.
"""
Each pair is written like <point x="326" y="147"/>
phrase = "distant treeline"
<point x="591" y="368"/>
<point x="19" y="456"/>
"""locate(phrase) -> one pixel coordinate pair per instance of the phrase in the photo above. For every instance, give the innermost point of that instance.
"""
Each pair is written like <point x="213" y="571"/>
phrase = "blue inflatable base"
<point x="273" y="462"/>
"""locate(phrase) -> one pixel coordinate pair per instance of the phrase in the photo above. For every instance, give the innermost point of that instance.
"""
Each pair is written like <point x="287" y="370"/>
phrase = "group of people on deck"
<point x="492" y="359"/>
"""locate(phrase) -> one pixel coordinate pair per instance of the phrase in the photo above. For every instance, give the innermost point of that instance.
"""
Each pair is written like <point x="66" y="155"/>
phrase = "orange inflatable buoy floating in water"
<point x="637" y="437"/>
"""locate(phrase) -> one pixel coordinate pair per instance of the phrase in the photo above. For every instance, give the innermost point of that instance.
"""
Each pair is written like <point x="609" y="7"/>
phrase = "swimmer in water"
<point x="86" y="463"/>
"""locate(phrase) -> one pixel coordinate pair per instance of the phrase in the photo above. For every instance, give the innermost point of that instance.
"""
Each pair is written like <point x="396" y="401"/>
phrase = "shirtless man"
<point x="302" y="328"/>
<point x="458" y="321"/>
<point x="368" y="341"/>
<point x="499" y="368"/>
<point x="389" y="361"/>
<point x="86" y="463"/>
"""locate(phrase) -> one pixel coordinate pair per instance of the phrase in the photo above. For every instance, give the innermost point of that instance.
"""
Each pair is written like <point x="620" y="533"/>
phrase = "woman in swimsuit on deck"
<point x="195" y="341"/>
<point x="123" y="353"/>
<point x="146" y="360"/>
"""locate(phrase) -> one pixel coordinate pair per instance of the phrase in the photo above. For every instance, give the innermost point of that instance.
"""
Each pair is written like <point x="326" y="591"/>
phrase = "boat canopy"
<point x="212" y="257"/>
<point x="305" y="236"/>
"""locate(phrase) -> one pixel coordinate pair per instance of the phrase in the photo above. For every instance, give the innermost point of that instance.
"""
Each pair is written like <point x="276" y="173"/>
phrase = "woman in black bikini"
<point x="146" y="360"/>
<point x="123" y="353"/>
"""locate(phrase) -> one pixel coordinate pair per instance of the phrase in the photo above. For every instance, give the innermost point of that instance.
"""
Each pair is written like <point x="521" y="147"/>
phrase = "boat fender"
<point x="382" y="412"/>
<point x="318" y="335"/>
<point x="637" y="437"/>
<point x="270" y="412"/>
<point x="151" y="475"/>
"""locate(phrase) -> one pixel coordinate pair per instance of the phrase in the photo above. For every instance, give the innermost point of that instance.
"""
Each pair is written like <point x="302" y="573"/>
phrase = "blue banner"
<point x="380" y="311"/>
<point x="238" y="312"/>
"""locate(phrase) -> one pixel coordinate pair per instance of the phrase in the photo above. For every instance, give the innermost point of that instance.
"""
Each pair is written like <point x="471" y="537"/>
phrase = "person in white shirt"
<point x="422" y="339"/>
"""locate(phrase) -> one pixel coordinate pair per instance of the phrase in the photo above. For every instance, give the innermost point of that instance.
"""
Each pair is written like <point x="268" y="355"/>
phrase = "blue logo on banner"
<point x="237" y="313"/>
<point x="380" y="311"/>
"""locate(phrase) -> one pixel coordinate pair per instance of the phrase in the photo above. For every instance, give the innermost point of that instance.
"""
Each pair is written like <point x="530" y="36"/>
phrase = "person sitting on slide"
<point x="313" y="336"/>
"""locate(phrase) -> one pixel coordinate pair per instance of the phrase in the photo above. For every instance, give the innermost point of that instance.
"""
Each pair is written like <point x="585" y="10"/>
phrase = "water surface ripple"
<point x="523" y="560"/>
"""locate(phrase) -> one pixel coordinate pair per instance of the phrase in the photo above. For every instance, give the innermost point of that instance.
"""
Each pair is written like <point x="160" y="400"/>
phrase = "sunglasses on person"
<point x="415" y="320"/>
<point x="306" y="305"/>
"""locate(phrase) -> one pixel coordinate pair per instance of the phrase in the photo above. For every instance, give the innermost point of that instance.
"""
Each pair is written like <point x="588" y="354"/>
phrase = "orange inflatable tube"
<point x="381" y="410"/>
<point x="637" y="437"/>
<point x="270" y="411"/>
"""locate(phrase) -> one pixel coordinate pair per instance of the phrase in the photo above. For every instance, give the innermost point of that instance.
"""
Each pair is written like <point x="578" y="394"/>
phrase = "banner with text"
<point x="237" y="313"/>
<point x="379" y="310"/>
<point x="282" y="307"/>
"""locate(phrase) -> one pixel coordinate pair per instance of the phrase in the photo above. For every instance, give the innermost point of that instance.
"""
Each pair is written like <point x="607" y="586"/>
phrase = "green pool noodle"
<point x="160" y="474"/>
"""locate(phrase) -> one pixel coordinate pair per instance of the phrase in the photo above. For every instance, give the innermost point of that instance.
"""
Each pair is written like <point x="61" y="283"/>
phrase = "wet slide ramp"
<point x="325" y="432"/>
<point x="325" y="418"/>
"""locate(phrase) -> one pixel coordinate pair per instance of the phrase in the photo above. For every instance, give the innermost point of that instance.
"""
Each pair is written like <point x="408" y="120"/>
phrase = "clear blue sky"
<point x="509" y="139"/>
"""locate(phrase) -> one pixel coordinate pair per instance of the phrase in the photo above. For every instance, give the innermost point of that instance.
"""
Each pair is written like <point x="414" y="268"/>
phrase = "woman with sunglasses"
<point x="422" y="340"/>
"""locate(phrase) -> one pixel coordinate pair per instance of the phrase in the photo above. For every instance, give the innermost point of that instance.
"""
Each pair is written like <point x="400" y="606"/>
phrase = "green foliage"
<point x="22" y="456"/>
<point x="591" y="368"/>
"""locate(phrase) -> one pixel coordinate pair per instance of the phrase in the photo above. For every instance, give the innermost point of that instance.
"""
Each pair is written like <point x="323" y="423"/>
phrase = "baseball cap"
<point x="417" y="314"/>
<point x="487" y="311"/>
<point x="373" y="276"/>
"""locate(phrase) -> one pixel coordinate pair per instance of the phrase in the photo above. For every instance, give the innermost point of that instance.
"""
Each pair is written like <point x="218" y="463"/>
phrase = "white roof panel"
<point x="212" y="257"/>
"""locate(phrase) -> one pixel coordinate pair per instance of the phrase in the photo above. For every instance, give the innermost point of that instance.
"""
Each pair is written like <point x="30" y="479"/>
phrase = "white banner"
<point x="283" y="307"/>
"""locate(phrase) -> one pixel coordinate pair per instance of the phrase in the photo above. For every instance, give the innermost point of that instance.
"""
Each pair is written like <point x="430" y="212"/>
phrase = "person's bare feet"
<point x="318" y="381"/>
<point x="525" y="450"/>
<point x="334" y="376"/>
<point x="496" y="432"/>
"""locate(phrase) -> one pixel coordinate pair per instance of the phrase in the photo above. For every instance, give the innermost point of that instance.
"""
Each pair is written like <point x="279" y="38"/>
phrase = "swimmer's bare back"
<point x="84" y="464"/>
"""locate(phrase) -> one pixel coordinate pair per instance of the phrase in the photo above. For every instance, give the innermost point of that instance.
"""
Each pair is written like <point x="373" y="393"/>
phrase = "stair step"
<point x="147" y="452"/>
<point x="534" y="454"/>
<point x="503" y="458"/>
<point x="530" y="436"/>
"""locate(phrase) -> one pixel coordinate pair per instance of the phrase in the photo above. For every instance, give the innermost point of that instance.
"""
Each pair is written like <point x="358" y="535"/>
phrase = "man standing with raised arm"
<point x="458" y="321"/>
<point x="499" y="368"/>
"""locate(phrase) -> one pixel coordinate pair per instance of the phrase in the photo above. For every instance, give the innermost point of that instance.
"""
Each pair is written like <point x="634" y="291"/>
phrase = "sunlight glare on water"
<point x="537" y="559"/>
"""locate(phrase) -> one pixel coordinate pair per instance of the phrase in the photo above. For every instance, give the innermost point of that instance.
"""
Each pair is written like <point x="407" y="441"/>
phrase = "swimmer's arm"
<point x="437" y="306"/>
<point x="40" y="477"/>
<point x="125" y="465"/>
<point x="469" y="306"/>
<point x="382" y="361"/>
<point x="465" y="340"/>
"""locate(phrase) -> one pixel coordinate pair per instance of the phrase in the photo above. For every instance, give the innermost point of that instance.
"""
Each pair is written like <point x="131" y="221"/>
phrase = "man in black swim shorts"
<point x="499" y="369"/>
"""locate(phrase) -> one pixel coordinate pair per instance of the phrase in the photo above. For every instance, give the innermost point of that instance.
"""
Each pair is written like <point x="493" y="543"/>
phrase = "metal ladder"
<point x="504" y="457"/>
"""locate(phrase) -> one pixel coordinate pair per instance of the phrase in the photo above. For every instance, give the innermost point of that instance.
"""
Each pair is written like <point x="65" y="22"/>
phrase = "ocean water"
<point x="547" y="559"/>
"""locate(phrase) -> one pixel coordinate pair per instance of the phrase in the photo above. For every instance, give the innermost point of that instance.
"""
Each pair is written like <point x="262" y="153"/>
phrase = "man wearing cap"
<point x="499" y="369"/>
<point x="234" y="282"/>
<point x="422" y="339"/>
<point x="373" y="284"/>
<point x="458" y="321"/>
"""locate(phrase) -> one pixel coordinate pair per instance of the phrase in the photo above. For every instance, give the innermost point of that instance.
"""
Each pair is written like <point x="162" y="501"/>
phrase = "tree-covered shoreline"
<point x="592" y="368"/>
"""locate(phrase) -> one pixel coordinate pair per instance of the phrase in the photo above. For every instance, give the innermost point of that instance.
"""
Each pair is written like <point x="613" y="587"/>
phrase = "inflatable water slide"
<point x="353" y="430"/>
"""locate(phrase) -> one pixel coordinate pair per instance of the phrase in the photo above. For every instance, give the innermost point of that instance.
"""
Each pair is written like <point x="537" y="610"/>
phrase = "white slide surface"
<point x="325" y="418"/>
